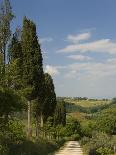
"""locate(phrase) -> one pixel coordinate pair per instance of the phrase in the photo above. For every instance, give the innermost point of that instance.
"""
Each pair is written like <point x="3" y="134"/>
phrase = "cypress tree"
<point x="15" y="63"/>
<point x="60" y="113"/>
<point x="50" y="97"/>
<point x="32" y="57"/>
<point x="33" y="77"/>
<point x="6" y="17"/>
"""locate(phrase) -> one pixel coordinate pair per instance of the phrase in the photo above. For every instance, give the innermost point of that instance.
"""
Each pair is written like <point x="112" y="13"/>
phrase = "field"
<point x="88" y="103"/>
<point x="83" y="110"/>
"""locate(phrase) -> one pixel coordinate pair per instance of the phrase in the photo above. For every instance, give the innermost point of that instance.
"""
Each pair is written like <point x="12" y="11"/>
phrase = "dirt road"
<point x="71" y="148"/>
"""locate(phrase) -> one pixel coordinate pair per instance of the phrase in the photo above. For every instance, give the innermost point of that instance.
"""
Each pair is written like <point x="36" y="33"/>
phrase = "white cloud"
<point x="45" y="40"/>
<point x="79" y="57"/>
<point x="95" y="70"/>
<point x="91" y="70"/>
<point x="102" y="45"/>
<point x="51" y="70"/>
<point x="112" y="60"/>
<point x="80" y="78"/>
<point x="71" y="74"/>
<point x="78" y="37"/>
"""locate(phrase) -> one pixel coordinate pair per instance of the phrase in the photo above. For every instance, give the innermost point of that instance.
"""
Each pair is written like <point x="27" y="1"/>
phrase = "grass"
<point x="33" y="148"/>
<point x="87" y="103"/>
<point x="41" y="147"/>
<point x="81" y="115"/>
<point x="77" y="115"/>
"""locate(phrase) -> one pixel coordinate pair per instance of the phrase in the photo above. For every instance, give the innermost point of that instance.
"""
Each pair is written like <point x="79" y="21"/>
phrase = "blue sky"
<point x="78" y="39"/>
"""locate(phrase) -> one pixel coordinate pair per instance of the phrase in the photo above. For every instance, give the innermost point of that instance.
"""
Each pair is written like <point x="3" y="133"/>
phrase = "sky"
<point x="78" y="42"/>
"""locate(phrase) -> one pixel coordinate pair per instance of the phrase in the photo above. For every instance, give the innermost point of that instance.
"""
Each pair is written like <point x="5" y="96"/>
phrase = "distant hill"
<point x="87" y="106"/>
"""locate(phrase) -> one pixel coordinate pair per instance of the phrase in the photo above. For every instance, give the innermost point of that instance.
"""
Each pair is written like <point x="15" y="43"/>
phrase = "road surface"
<point x="71" y="148"/>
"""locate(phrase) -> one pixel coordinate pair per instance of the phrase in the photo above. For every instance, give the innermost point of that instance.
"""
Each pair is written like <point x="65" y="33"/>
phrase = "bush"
<point x="100" y="143"/>
<point x="75" y="137"/>
<point x="88" y="128"/>
<point x="104" y="151"/>
<point x="106" y="121"/>
<point x="10" y="135"/>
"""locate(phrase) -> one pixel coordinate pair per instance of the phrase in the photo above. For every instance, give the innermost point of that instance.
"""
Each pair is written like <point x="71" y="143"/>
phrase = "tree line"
<point x="23" y="83"/>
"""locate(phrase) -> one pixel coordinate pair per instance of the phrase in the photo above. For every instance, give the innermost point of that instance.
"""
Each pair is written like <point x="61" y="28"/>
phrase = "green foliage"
<point x="72" y="107"/>
<point x="15" y="63"/>
<point x="11" y="134"/>
<point x="60" y="113"/>
<point x="88" y="128"/>
<point x="73" y="127"/>
<point x="33" y="76"/>
<point x="10" y="102"/>
<point x="32" y="57"/>
<point x="114" y="100"/>
<point x="17" y="129"/>
<point x="6" y="17"/>
<point x="27" y="93"/>
<point x="100" y="143"/>
<point x="42" y="147"/>
<point x="106" y="121"/>
<point x="104" y="151"/>
<point x="1" y="68"/>
<point x="75" y="137"/>
<point x="49" y="97"/>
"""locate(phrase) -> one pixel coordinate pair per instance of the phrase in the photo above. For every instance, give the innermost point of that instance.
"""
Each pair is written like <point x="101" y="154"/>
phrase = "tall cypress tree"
<point x="6" y="17"/>
<point x="15" y="63"/>
<point x="60" y="113"/>
<point x="50" y="97"/>
<point x="33" y="77"/>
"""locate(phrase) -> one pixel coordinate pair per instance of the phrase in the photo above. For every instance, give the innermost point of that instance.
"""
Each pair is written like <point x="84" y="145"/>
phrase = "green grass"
<point x="87" y="103"/>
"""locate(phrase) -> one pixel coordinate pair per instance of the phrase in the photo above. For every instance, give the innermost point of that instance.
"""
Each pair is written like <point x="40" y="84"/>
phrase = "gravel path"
<point x="71" y="148"/>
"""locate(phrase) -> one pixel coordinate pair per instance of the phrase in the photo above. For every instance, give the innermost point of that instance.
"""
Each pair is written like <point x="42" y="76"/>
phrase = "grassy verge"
<point x="41" y="147"/>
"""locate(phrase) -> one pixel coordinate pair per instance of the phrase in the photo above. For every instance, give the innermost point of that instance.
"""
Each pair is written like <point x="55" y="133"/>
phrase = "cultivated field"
<point x="88" y="103"/>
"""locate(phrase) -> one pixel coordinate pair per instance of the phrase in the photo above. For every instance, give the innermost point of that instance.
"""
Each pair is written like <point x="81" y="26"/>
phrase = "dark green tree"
<point x="32" y="57"/>
<point x="15" y="63"/>
<point x="33" y="76"/>
<point x="73" y="127"/>
<point x="6" y="17"/>
<point x="50" y="97"/>
<point x="60" y="113"/>
<point x="10" y="102"/>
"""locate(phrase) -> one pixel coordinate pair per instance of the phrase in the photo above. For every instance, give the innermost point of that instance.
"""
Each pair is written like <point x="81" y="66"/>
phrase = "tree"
<point x="32" y="57"/>
<point x="6" y="17"/>
<point x="50" y="97"/>
<point x="10" y="102"/>
<point x="106" y="121"/>
<point x="15" y="63"/>
<point x="73" y="127"/>
<point x="60" y="113"/>
<point x="33" y="77"/>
